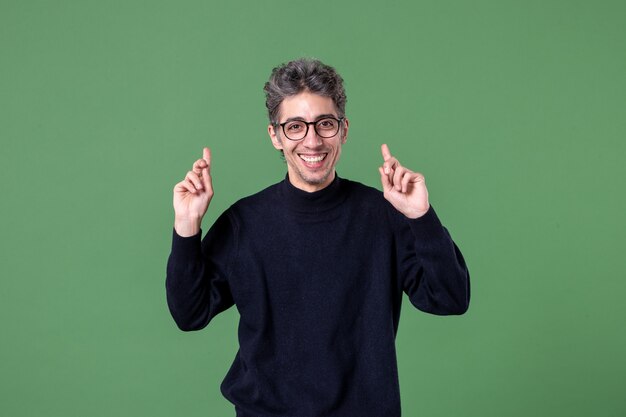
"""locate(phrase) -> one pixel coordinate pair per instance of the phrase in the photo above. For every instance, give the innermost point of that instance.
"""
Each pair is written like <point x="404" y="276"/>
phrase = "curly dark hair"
<point x="299" y="75"/>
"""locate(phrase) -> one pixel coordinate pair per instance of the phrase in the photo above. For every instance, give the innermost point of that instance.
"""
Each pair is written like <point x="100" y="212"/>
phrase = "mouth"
<point x="313" y="161"/>
<point x="312" y="158"/>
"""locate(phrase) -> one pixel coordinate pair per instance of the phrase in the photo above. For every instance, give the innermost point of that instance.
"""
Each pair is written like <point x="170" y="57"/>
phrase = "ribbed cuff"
<point x="186" y="247"/>
<point x="427" y="226"/>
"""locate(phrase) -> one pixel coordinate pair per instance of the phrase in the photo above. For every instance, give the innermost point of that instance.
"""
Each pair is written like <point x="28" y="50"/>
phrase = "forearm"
<point x="440" y="284"/>
<point x="197" y="275"/>
<point x="186" y="283"/>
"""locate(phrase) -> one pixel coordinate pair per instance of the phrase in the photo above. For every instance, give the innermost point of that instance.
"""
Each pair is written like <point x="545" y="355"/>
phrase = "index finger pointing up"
<point x="206" y="155"/>
<point x="386" y="153"/>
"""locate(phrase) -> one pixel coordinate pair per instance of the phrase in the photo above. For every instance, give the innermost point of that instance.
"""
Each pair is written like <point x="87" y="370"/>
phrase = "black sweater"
<point x="318" y="281"/>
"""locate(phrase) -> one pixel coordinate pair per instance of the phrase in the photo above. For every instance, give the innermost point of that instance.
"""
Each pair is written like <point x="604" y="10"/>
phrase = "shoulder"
<point x="362" y="193"/>
<point x="255" y="204"/>
<point x="371" y="199"/>
<point x="360" y="187"/>
<point x="260" y="197"/>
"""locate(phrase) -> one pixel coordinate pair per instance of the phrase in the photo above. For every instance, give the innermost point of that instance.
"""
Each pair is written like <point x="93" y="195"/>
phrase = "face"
<point x="310" y="161"/>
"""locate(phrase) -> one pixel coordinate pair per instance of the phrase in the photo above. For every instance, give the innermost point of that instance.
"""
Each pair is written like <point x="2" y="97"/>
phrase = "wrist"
<point x="186" y="227"/>
<point x="417" y="213"/>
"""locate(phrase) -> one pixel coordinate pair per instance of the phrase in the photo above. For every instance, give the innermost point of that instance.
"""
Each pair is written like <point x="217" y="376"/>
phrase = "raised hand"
<point x="403" y="188"/>
<point x="192" y="196"/>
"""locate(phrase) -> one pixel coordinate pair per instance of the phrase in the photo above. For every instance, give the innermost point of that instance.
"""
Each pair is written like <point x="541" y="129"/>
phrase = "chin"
<point x="317" y="179"/>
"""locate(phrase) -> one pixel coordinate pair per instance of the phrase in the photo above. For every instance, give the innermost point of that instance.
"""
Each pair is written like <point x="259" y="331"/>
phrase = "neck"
<point x="318" y="202"/>
<point x="309" y="187"/>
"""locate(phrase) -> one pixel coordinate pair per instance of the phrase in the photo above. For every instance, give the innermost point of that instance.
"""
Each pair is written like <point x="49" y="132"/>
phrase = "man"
<point x="315" y="264"/>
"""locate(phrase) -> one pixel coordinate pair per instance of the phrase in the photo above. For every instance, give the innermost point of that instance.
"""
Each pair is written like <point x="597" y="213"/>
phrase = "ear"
<point x="346" y="125"/>
<point x="275" y="139"/>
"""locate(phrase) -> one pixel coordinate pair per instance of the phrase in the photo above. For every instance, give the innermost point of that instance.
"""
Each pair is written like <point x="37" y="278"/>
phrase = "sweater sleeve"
<point x="197" y="275"/>
<point x="433" y="272"/>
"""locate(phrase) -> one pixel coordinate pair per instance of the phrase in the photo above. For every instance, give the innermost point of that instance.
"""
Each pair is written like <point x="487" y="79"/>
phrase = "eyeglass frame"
<point x="282" y="125"/>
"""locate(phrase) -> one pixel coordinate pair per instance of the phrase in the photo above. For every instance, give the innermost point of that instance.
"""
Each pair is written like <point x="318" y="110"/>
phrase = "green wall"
<point x="514" y="110"/>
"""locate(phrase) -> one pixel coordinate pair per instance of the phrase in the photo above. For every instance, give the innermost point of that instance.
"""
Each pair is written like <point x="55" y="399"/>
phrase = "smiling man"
<point x="315" y="264"/>
<point x="311" y="158"/>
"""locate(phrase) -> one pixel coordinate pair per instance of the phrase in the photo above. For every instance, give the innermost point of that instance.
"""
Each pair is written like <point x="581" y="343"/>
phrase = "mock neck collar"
<point x="316" y="201"/>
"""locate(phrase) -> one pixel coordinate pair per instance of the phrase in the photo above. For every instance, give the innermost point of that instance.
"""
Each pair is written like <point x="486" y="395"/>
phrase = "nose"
<point x="312" y="139"/>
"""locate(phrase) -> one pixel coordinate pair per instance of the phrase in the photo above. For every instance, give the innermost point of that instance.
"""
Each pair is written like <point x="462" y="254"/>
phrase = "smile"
<point x="312" y="158"/>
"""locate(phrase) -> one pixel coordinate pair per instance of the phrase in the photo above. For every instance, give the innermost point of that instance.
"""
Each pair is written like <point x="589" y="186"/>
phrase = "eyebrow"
<point x="302" y="119"/>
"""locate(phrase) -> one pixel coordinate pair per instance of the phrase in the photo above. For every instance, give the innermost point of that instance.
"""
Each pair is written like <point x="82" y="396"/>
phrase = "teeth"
<point x="312" y="158"/>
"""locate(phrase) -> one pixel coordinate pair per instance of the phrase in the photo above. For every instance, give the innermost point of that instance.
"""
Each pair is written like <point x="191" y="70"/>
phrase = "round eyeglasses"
<point x="298" y="129"/>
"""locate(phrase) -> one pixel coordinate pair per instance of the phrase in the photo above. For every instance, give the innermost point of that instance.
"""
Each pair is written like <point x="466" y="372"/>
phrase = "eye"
<point x="294" y="126"/>
<point x="326" y="124"/>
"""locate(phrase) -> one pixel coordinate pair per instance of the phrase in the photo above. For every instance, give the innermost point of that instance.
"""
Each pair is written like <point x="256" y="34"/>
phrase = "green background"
<point x="514" y="110"/>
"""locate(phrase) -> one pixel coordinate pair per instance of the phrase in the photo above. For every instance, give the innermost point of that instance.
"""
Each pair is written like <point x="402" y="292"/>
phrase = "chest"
<point x="323" y="260"/>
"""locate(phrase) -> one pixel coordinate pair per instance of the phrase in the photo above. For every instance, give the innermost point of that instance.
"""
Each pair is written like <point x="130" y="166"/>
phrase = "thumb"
<point x="384" y="179"/>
